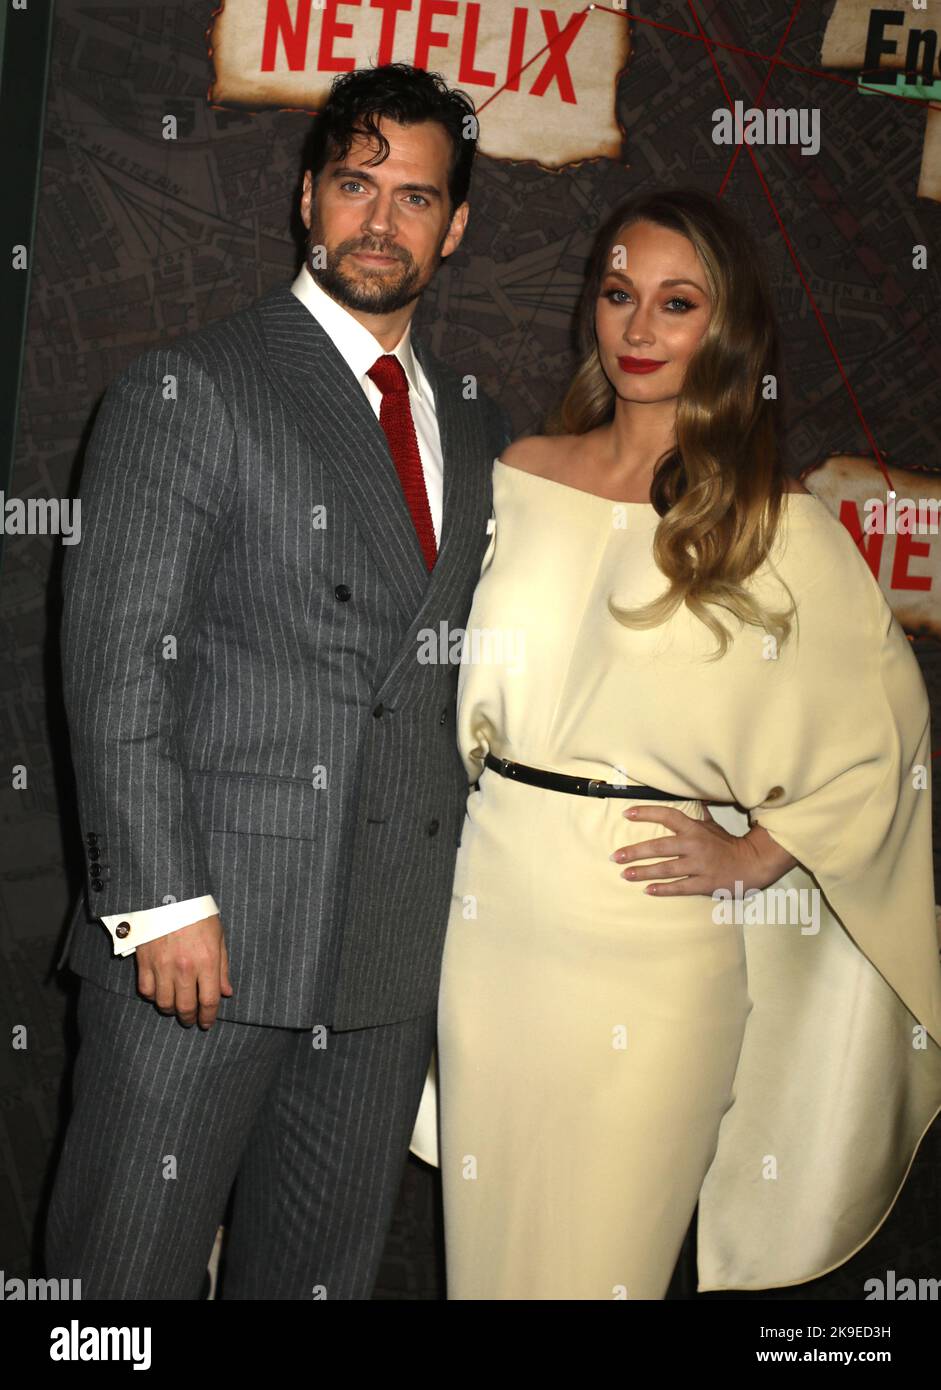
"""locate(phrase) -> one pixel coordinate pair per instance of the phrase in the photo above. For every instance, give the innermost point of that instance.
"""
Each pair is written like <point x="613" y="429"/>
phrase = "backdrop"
<point x="169" y="176"/>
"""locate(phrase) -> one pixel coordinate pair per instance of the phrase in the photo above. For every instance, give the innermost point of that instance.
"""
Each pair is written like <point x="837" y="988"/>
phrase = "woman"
<point x="616" y="1043"/>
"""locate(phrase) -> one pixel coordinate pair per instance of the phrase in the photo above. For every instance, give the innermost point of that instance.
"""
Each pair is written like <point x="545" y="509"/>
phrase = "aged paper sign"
<point x="866" y="35"/>
<point x="900" y="537"/>
<point x="551" y="66"/>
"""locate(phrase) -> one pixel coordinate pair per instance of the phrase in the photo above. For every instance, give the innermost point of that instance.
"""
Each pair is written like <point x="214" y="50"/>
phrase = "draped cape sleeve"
<point x="840" y="1071"/>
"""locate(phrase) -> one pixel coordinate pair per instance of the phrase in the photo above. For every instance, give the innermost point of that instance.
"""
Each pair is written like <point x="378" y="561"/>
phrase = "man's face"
<point x="385" y="227"/>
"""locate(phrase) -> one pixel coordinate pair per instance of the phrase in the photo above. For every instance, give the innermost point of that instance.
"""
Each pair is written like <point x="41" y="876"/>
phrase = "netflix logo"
<point x="546" y="70"/>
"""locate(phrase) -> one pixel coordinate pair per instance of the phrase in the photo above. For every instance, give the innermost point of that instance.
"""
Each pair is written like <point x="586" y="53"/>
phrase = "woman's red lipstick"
<point x="640" y="365"/>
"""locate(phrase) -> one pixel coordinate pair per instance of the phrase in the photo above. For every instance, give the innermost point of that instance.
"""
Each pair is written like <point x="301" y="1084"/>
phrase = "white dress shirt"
<point x="359" y="350"/>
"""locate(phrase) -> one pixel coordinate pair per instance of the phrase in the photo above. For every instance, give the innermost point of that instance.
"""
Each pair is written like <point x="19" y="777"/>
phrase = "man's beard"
<point x="377" y="292"/>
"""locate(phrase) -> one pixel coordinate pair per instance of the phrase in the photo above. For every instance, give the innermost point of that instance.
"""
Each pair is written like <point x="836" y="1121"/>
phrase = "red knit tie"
<point x="395" y="417"/>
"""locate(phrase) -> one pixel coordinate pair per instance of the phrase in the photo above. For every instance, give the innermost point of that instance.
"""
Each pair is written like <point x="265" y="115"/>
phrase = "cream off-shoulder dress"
<point x="607" y="1058"/>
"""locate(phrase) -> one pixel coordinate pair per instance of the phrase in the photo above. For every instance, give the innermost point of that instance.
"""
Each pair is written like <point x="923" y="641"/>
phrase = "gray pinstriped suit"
<point x="296" y="649"/>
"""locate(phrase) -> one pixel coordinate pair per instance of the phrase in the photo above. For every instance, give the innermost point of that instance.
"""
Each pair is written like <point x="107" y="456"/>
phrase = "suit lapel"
<point x="460" y="450"/>
<point x="316" y="385"/>
<point x="318" y="388"/>
<point x="466" y="506"/>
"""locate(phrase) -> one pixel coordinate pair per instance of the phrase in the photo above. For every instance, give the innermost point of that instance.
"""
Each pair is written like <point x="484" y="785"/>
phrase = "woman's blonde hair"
<point x="719" y="490"/>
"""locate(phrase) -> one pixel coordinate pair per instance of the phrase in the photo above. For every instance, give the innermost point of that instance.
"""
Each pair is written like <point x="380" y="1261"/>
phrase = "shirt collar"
<point x="358" y="347"/>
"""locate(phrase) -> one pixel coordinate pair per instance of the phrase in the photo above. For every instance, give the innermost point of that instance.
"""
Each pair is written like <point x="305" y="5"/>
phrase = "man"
<point x="270" y="791"/>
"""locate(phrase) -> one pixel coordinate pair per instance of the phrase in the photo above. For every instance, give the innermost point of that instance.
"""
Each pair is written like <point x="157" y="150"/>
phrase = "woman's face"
<point x="653" y="307"/>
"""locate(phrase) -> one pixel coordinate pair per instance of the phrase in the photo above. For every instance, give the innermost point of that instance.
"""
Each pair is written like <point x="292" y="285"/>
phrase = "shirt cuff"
<point x="132" y="929"/>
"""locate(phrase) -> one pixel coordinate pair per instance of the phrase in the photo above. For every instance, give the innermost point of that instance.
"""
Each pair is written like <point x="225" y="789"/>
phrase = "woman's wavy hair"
<point x="718" y="490"/>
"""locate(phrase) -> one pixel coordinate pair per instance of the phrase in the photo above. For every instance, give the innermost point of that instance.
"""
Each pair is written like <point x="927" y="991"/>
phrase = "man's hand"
<point x="706" y="853"/>
<point x="186" y="972"/>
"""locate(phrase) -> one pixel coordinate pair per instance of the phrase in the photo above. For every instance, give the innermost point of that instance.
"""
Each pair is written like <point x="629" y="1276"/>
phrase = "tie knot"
<point x="388" y="374"/>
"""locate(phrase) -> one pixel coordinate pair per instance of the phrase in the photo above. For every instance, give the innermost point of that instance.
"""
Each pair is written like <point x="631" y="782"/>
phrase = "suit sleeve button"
<point x="433" y="827"/>
<point x="342" y="592"/>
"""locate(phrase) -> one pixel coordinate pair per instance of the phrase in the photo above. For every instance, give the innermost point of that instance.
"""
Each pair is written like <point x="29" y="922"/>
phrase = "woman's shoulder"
<point x="816" y="549"/>
<point x="536" y="453"/>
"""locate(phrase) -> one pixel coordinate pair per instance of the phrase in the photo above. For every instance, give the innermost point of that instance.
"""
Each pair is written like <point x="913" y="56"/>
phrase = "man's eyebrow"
<point x="663" y="283"/>
<point x="348" y="171"/>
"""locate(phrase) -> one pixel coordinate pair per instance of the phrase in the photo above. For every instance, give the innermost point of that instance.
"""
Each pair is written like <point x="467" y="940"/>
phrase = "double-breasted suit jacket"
<point x="251" y="707"/>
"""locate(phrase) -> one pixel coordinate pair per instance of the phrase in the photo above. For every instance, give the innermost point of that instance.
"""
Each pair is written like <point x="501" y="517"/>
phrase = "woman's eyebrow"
<point x="663" y="283"/>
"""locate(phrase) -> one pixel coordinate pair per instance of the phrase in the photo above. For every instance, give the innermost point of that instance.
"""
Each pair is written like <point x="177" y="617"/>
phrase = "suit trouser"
<point x="165" y="1118"/>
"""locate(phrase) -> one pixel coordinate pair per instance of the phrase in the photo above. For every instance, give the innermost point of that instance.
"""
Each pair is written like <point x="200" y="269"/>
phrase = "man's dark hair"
<point x="399" y="93"/>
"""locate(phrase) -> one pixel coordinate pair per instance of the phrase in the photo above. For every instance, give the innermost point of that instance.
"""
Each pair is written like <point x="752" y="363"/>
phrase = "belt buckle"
<point x="592" y="785"/>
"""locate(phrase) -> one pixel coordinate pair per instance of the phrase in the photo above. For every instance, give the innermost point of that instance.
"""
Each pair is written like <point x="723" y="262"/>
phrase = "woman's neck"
<point x="637" y="438"/>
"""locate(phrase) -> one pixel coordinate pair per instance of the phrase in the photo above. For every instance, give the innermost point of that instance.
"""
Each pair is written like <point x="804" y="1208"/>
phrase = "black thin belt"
<point x="581" y="786"/>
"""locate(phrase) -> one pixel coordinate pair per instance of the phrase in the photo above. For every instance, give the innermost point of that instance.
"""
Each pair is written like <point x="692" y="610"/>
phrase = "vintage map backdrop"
<point x="140" y="239"/>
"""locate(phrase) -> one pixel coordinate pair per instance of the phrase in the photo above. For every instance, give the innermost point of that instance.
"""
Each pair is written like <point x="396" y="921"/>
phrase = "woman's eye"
<point x="682" y="304"/>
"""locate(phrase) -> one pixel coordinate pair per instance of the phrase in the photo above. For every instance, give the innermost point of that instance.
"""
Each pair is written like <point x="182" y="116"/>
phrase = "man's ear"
<point x="305" y="199"/>
<point x="456" y="229"/>
<point x="312" y="198"/>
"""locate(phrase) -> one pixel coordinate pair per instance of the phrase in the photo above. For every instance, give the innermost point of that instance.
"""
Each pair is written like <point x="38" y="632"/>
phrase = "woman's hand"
<point x="705" y="853"/>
